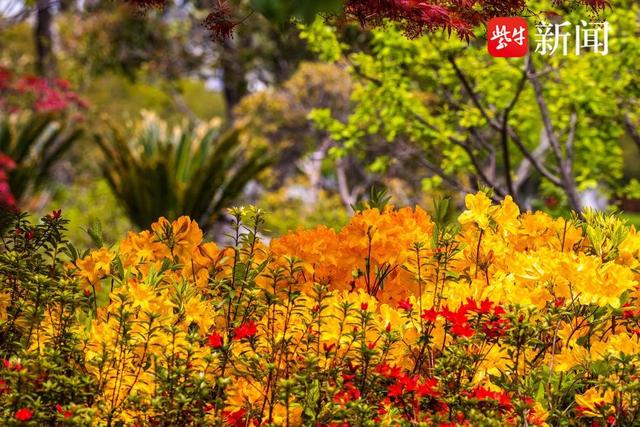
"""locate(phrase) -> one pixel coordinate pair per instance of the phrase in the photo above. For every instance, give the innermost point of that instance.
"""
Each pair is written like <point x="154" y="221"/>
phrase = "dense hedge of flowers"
<point x="499" y="318"/>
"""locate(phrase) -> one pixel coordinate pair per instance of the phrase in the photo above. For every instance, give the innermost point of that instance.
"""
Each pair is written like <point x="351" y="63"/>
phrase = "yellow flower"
<point x="593" y="401"/>
<point x="507" y="216"/>
<point x="141" y="295"/>
<point x="243" y="393"/>
<point x="478" y="210"/>
<point x="95" y="266"/>
<point x="199" y="312"/>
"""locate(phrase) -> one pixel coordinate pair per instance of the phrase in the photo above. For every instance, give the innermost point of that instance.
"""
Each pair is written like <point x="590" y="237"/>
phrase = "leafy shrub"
<point x="35" y="142"/>
<point x="85" y="202"/>
<point x="192" y="170"/>
<point x="42" y="377"/>
<point x="500" y="318"/>
<point x="35" y="132"/>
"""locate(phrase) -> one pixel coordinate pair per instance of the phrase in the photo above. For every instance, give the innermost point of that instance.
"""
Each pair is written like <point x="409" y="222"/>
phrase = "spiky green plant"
<point x="187" y="170"/>
<point x="35" y="142"/>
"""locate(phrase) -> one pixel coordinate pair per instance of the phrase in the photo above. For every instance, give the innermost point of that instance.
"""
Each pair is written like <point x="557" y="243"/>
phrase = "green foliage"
<point x="323" y="40"/>
<point x="410" y="91"/>
<point x="189" y="170"/>
<point x="35" y="142"/>
<point x="281" y="11"/>
<point x="39" y="345"/>
<point x="84" y="203"/>
<point x="122" y="98"/>
<point x="278" y="118"/>
<point x="378" y="199"/>
<point x="605" y="232"/>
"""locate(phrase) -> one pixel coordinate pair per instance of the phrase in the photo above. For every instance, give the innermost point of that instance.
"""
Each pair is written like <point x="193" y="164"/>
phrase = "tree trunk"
<point x="233" y="76"/>
<point x="45" y="59"/>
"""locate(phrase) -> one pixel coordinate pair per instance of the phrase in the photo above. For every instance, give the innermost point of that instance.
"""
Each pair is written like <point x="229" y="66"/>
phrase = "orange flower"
<point x="95" y="266"/>
<point x="185" y="234"/>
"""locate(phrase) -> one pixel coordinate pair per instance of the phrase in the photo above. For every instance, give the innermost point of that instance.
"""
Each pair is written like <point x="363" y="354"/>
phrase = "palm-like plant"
<point x="188" y="170"/>
<point x="35" y="142"/>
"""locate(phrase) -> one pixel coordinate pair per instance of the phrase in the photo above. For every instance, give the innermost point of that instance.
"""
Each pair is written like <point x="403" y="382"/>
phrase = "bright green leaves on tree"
<point x="449" y="99"/>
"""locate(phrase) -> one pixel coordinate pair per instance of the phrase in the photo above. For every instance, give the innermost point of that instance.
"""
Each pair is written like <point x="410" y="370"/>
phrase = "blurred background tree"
<point x="155" y="170"/>
<point x="370" y="94"/>
<point x="535" y="128"/>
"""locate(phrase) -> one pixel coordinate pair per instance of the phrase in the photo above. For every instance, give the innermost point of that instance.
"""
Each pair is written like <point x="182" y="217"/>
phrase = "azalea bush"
<point x="399" y="318"/>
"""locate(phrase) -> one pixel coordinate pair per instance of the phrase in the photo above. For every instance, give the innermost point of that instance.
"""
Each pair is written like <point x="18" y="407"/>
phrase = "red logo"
<point x="507" y="37"/>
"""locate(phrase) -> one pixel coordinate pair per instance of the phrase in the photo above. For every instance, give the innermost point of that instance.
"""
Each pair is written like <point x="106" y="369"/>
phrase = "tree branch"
<point x="567" y="181"/>
<point x="504" y="134"/>
<point x="632" y="130"/>
<point x="573" y="121"/>
<point x="498" y="126"/>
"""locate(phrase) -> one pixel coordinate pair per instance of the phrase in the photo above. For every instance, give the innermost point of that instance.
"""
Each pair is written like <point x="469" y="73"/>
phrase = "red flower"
<point x="485" y="306"/>
<point x="215" y="340"/>
<point x="24" y="414"/>
<point x="495" y="328"/>
<point x="347" y="394"/>
<point x="236" y="418"/>
<point x="65" y="413"/>
<point x="471" y="305"/>
<point x="56" y="214"/>
<point x="387" y="371"/>
<point x="429" y="315"/>
<point x="364" y="306"/>
<point x="501" y="398"/>
<point x="15" y="366"/>
<point x="405" y="305"/>
<point x="459" y="322"/>
<point x="220" y="22"/>
<point x="63" y="84"/>
<point x="428" y="388"/>
<point x="5" y="77"/>
<point x="395" y="390"/>
<point x="462" y="330"/>
<point x="245" y="330"/>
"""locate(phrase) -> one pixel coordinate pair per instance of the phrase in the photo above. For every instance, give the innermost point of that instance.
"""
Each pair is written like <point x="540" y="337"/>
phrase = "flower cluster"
<point x="501" y="318"/>
<point x="36" y="93"/>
